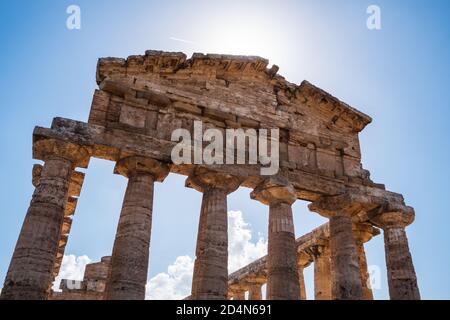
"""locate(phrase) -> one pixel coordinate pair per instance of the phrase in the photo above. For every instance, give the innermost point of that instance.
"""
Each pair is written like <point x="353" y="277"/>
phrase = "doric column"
<point x="75" y="185"/>
<point x="129" y="260"/>
<point x="400" y="269"/>
<point x="255" y="291"/>
<point x="303" y="261"/>
<point x="363" y="233"/>
<point x="238" y="293"/>
<point x="210" y="279"/>
<point x="282" y="273"/>
<point x="322" y="271"/>
<point x="30" y="272"/>
<point x="346" y="274"/>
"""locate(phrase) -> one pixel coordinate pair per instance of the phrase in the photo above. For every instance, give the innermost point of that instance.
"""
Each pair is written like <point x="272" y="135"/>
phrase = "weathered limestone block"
<point x="99" y="107"/>
<point x="210" y="279"/>
<point x="402" y="280"/>
<point x="129" y="261"/>
<point x="30" y="272"/>
<point x="282" y="273"/>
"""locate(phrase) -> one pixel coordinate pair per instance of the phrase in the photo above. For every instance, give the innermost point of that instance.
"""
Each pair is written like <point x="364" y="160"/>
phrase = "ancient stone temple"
<point x="140" y="101"/>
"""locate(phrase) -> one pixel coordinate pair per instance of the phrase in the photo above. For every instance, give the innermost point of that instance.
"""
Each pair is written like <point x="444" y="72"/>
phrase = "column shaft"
<point x="30" y="272"/>
<point x="239" y="295"/>
<point x="282" y="274"/>
<point x="301" y="284"/>
<point x="322" y="275"/>
<point x="401" y="274"/>
<point x="255" y="292"/>
<point x="346" y="276"/>
<point x="367" y="291"/>
<point x="129" y="261"/>
<point x="210" y="279"/>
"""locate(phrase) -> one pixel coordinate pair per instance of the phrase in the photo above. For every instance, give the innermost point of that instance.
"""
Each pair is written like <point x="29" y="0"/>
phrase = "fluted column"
<point x="363" y="233"/>
<point x="322" y="273"/>
<point x="255" y="291"/>
<point x="401" y="274"/>
<point x="238" y="294"/>
<point x="75" y="186"/>
<point x="346" y="274"/>
<point x="30" y="272"/>
<point x="282" y="273"/>
<point x="129" y="260"/>
<point x="303" y="261"/>
<point x="210" y="278"/>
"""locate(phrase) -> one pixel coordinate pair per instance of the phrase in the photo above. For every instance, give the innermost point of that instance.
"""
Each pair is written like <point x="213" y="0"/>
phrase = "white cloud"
<point x="241" y="249"/>
<point x="176" y="282"/>
<point x="72" y="268"/>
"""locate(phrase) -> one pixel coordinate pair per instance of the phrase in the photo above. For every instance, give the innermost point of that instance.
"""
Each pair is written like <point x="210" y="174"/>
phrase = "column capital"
<point x="134" y="164"/>
<point x="303" y="259"/>
<point x="392" y="215"/>
<point x="317" y="249"/>
<point x="76" y="180"/>
<point x="202" y="179"/>
<point x="255" y="280"/>
<point x="273" y="191"/>
<point x="237" y="291"/>
<point x="363" y="232"/>
<point x="347" y="204"/>
<point x="46" y="149"/>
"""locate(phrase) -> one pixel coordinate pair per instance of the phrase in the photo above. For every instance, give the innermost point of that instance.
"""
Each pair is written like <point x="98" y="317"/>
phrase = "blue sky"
<point x="399" y="75"/>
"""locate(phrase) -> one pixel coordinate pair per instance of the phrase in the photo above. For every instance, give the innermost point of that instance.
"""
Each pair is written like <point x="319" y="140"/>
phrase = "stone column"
<point x="129" y="260"/>
<point x="346" y="274"/>
<point x="75" y="186"/>
<point x="238" y="294"/>
<point x="362" y="234"/>
<point x="303" y="261"/>
<point x="255" y="291"/>
<point x="30" y="272"/>
<point x="282" y="273"/>
<point x="322" y="272"/>
<point x="401" y="274"/>
<point x="210" y="279"/>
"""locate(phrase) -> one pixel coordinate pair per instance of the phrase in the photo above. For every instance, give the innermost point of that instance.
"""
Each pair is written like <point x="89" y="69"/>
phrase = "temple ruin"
<point x="140" y="101"/>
